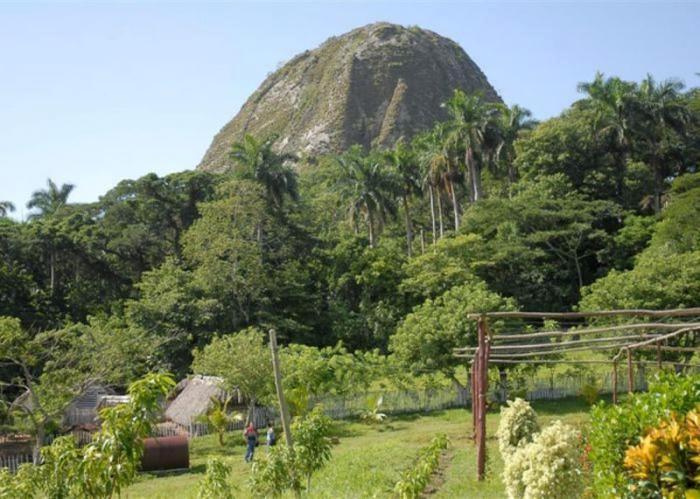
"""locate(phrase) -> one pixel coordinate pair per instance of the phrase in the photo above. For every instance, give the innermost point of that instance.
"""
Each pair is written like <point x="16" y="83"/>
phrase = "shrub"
<point x="275" y="474"/>
<point x="516" y="427"/>
<point x="614" y="428"/>
<point x="414" y="480"/>
<point x="216" y="484"/>
<point x="373" y="414"/>
<point x="312" y="444"/>
<point x="667" y="460"/>
<point x="547" y="467"/>
<point x="21" y="484"/>
<point x="218" y="418"/>
<point x="590" y="393"/>
<point x="284" y="468"/>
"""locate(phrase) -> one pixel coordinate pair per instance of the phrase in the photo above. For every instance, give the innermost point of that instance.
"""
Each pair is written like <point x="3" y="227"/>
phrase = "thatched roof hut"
<point x="194" y="397"/>
<point x="112" y="400"/>
<point x="82" y="409"/>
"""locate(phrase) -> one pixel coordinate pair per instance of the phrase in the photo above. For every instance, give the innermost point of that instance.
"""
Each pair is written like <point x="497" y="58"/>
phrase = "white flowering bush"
<point x="516" y="427"/>
<point x="549" y="466"/>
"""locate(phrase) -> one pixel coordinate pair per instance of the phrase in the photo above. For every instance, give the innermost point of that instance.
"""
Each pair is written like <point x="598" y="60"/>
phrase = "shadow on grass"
<point x="560" y="406"/>
<point x="192" y="470"/>
<point x="341" y="430"/>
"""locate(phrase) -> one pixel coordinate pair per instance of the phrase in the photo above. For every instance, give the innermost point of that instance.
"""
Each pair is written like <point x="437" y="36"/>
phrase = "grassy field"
<point x="368" y="460"/>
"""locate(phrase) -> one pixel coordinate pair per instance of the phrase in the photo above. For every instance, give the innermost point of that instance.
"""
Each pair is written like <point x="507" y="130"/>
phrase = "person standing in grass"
<point x="251" y="437"/>
<point x="271" y="440"/>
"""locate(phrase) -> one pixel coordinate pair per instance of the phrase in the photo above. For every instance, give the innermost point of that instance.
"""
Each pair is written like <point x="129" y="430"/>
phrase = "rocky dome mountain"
<point x="370" y="86"/>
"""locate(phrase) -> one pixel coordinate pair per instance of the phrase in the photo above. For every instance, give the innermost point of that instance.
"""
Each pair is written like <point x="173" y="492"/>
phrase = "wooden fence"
<point x="398" y="402"/>
<point x="14" y="461"/>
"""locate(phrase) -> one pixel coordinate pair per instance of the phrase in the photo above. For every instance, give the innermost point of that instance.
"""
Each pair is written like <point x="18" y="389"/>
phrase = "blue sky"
<point x="92" y="93"/>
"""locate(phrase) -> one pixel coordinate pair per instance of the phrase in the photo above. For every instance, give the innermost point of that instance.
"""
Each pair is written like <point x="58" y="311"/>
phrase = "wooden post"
<point x="483" y="385"/>
<point x="473" y="395"/>
<point x="614" y="383"/>
<point x="630" y="372"/>
<point x="284" y="410"/>
<point x="658" y="354"/>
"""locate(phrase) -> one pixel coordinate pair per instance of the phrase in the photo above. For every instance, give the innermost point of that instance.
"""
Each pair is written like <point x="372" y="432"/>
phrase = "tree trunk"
<point x="474" y="174"/>
<point x="432" y="213"/>
<point x="409" y="225"/>
<point x="38" y="442"/>
<point x="658" y="188"/>
<point x="577" y="263"/>
<point x="251" y="412"/>
<point x="455" y="205"/>
<point x="52" y="270"/>
<point x="439" y="208"/>
<point x="512" y="172"/>
<point x="370" y="222"/>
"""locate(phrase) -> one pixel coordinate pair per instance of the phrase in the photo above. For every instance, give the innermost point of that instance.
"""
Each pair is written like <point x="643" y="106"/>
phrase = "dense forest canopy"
<point x="385" y="249"/>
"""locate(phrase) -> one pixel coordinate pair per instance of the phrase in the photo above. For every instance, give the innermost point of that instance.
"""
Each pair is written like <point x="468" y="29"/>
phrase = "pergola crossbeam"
<point x="680" y="312"/>
<point x="595" y="330"/>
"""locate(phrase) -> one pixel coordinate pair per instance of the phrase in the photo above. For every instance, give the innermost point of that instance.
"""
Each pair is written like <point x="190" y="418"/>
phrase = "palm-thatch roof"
<point x="194" y="397"/>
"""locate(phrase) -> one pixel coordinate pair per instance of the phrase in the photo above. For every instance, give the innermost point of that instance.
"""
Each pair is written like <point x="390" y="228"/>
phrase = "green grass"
<point x="368" y="460"/>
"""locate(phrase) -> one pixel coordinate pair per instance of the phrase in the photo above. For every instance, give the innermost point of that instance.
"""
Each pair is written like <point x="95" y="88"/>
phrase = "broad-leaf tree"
<point x="243" y="361"/>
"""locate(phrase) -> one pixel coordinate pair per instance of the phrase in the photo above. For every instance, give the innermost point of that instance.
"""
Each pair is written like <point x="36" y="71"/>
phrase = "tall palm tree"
<point x="50" y="200"/>
<point x="404" y="161"/>
<point x="256" y="160"/>
<point x="5" y="208"/>
<point x="613" y="100"/>
<point x="436" y="171"/>
<point x="469" y="118"/>
<point x="663" y="119"/>
<point x="369" y="189"/>
<point x="511" y="123"/>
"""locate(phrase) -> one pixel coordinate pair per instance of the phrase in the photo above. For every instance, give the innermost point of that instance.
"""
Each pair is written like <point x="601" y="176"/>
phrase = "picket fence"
<point x="14" y="461"/>
<point x="397" y="402"/>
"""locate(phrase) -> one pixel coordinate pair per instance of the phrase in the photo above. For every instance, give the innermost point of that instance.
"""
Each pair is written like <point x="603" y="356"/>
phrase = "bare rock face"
<point x="370" y="86"/>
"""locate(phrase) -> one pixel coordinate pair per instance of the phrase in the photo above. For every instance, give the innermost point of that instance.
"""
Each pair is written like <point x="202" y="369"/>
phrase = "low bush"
<point x="216" y="483"/>
<point x="590" y="393"/>
<point x="614" y="428"/>
<point x="549" y="466"/>
<point x="284" y="468"/>
<point x="274" y="474"/>
<point x="414" y="480"/>
<point x="517" y="425"/>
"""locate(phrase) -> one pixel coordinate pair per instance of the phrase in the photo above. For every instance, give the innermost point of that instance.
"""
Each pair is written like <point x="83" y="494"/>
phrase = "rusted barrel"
<point x="165" y="453"/>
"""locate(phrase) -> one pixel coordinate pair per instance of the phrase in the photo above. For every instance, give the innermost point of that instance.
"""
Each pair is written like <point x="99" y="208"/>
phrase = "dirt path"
<point x="438" y="477"/>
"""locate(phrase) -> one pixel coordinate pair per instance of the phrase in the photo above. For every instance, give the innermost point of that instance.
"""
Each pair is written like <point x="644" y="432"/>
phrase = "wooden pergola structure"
<point x="633" y="330"/>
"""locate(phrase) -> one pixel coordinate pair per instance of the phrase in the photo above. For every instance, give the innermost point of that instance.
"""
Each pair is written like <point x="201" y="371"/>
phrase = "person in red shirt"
<point x="251" y="437"/>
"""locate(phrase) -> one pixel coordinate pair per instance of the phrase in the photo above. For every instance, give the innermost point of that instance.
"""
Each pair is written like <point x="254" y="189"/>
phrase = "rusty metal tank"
<point x="165" y="453"/>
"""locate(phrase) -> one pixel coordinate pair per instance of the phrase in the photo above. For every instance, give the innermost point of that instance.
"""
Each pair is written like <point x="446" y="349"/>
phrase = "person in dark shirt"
<point x="251" y="437"/>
